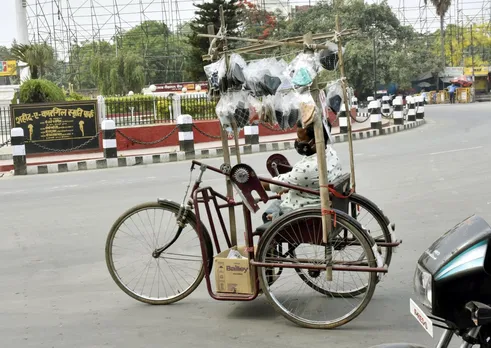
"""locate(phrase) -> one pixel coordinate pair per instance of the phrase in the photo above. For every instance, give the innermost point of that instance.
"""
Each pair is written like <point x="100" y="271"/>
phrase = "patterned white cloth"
<point x="306" y="173"/>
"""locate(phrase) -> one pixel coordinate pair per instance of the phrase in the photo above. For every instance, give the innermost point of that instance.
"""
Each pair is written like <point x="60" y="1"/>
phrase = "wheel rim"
<point x="312" y="307"/>
<point x="369" y="222"/>
<point x="165" y="278"/>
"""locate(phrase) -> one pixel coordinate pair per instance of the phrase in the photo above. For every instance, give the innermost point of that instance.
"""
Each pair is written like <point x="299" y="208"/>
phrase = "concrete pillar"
<point x="385" y="105"/>
<point x="343" y="120"/>
<point x="411" y="113"/>
<point x="398" y="112"/>
<point x="375" y="114"/>
<point x="251" y="134"/>
<point x="354" y="103"/>
<point x="186" y="136"/>
<point x="109" y="139"/>
<point x="18" y="151"/>
<point x="420" y="110"/>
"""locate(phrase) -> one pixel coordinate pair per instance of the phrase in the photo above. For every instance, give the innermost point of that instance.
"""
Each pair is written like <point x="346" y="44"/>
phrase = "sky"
<point x="130" y="14"/>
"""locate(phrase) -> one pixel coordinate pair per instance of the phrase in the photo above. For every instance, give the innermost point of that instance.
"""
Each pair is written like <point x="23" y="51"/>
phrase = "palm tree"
<point x="441" y="7"/>
<point x="39" y="57"/>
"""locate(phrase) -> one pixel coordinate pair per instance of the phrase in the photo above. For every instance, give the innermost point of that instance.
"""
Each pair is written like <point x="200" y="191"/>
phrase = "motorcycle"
<point x="452" y="282"/>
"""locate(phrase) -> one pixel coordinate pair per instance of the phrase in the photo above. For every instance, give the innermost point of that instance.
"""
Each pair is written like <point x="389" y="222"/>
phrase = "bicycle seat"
<point x="278" y="164"/>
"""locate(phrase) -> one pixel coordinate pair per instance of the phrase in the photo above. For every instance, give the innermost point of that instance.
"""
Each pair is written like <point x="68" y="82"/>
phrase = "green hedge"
<point x="198" y="108"/>
<point x="40" y="91"/>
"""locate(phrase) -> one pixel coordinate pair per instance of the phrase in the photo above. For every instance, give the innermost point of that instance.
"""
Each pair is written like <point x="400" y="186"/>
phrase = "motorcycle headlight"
<point x="423" y="286"/>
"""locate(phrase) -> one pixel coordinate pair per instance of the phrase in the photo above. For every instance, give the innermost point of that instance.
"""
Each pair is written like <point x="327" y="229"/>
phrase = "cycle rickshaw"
<point x="286" y="259"/>
<point x="282" y="250"/>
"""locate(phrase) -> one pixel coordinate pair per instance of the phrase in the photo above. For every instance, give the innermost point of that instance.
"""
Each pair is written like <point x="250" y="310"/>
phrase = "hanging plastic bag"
<point x="216" y="72"/>
<point x="303" y="69"/>
<point x="334" y="96"/>
<point x="328" y="57"/>
<point x="264" y="76"/>
<point x="233" y="107"/>
<point x="306" y="107"/>
<point x="225" y="109"/>
<point x="255" y="107"/>
<point x="268" y="110"/>
<point x="235" y="74"/>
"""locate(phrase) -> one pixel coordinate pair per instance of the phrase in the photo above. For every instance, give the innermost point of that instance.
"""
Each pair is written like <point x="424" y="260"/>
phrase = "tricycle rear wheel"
<point x="312" y="308"/>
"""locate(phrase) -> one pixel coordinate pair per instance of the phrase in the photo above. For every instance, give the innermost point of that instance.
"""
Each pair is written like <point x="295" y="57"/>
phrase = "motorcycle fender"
<point x="398" y="345"/>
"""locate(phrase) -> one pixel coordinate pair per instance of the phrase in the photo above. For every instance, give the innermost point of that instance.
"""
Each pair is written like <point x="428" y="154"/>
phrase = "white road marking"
<point x="455" y="150"/>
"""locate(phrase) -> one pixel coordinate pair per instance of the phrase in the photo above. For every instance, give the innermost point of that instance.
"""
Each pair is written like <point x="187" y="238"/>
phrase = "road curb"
<point x="130" y="161"/>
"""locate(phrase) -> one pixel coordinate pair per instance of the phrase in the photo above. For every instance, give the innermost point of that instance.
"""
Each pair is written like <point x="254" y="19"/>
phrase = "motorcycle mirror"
<point x="480" y="313"/>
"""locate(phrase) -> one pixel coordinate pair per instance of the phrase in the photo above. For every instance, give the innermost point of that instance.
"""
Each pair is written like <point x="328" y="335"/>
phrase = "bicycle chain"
<point x="147" y="142"/>
<point x="65" y="150"/>
<point x="206" y="134"/>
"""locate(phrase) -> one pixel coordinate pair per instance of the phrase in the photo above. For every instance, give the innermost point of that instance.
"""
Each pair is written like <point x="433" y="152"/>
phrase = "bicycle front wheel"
<point x="145" y="276"/>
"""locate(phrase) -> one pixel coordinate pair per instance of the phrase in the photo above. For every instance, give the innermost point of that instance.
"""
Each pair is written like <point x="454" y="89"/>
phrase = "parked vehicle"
<point x="452" y="282"/>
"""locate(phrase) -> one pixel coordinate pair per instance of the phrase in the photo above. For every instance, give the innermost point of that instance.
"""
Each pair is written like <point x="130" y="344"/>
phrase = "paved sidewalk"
<point x="88" y="161"/>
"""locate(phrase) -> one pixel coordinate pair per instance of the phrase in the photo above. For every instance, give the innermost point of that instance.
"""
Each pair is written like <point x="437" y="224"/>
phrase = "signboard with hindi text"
<point x="478" y="71"/>
<point x="8" y="68"/>
<point x="52" y="127"/>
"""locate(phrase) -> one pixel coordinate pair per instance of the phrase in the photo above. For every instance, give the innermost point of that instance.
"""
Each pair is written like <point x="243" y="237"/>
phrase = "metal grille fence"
<point x="5" y="124"/>
<point x="146" y="110"/>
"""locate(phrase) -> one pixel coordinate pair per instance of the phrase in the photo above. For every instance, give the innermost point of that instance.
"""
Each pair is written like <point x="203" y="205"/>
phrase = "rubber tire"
<point x="174" y="208"/>
<point x="354" y="227"/>
<point x="381" y="220"/>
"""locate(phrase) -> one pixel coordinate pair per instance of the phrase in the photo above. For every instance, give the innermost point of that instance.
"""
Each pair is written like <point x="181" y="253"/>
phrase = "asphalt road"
<point x="56" y="290"/>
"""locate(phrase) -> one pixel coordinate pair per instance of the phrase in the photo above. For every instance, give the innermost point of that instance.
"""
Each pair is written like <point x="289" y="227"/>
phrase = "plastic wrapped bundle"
<point x="265" y="76"/>
<point x="234" y="107"/>
<point x="303" y="69"/>
<point x="334" y="96"/>
<point x="235" y="74"/>
<point x="216" y="73"/>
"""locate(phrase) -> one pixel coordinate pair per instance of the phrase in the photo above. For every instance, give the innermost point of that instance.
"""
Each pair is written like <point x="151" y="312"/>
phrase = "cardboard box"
<point x="234" y="275"/>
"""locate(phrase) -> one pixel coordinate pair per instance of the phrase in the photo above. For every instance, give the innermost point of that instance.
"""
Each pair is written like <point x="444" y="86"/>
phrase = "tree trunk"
<point x="442" y="39"/>
<point x="34" y="72"/>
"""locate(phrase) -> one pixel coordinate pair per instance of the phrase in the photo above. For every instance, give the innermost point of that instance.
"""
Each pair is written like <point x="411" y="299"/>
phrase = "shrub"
<point x="76" y="96"/>
<point x="40" y="91"/>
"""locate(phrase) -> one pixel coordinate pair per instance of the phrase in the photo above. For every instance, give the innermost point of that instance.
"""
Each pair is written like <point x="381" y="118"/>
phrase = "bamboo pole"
<point x="346" y="106"/>
<point x="226" y="159"/>
<point x="268" y="44"/>
<point x="320" y="147"/>
<point x="225" y="52"/>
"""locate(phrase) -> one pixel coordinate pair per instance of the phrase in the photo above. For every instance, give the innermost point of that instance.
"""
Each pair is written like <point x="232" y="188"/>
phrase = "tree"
<point x="458" y="45"/>
<point x="39" y="57"/>
<point x="256" y="22"/>
<point x="208" y="13"/>
<point x="441" y="7"/>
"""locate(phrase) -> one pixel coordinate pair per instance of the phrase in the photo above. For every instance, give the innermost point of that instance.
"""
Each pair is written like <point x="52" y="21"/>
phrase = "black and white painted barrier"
<point x="398" y="112"/>
<point x="343" y="120"/>
<point x="385" y="105"/>
<point x="18" y="151"/>
<point x="109" y="144"/>
<point x="420" y="110"/>
<point x="411" y="112"/>
<point x="186" y="136"/>
<point x="354" y="103"/>
<point x="251" y="134"/>
<point x="375" y="114"/>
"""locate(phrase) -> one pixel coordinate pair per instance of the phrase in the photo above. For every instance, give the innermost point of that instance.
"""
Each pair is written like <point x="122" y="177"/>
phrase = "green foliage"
<point x="198" y="108"/>
<point x="74" y="96"/>
<point x="39" y="57"/>
<point x="208" y="13"/>
<point x="40" y="91"/>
